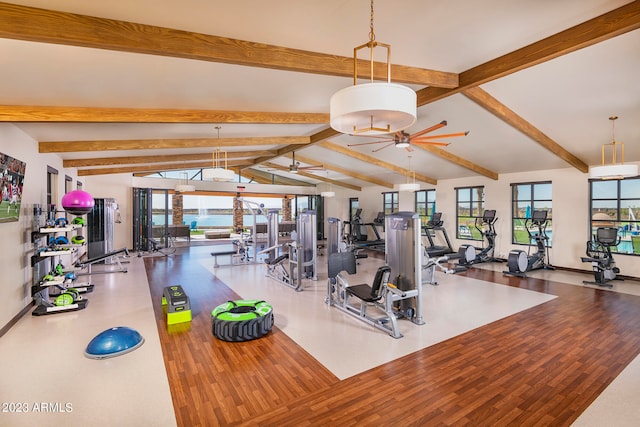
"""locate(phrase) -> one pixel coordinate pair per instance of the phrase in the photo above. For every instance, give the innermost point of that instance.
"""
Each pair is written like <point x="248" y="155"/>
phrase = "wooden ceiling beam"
<point x="152" y="168"/>
<point x="145" y="144"/>
<point x="110" y="161"/>
<point x="258" y="180"/>
<point x="313" y="139"/>
<point x="53" y="114"/>
<point x="446" y="155"/>
<point x="501" y="111"/>
<point x="313" y="176"/>
<point x="271" y="179"/>
<point x="50" y="26"/>
<point x="347" y="172"/>
<point x="374" y="161"/>
<point x="588" y="33"/>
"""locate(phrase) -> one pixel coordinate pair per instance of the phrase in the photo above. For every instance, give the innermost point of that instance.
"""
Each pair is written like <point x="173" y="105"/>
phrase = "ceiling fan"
<point x="404" y="140"/>
<point x="295" y="167"/>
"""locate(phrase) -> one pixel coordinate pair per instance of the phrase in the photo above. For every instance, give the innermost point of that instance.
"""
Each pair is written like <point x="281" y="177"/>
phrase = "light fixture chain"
<point x="372" y="34"/>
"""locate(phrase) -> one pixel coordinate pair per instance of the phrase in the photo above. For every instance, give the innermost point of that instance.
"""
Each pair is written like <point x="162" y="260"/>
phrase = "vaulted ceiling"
<point x="141" y="86"/>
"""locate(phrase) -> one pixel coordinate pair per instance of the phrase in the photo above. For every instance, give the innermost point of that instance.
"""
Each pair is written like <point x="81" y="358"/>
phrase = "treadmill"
<point x="435" y="224"/>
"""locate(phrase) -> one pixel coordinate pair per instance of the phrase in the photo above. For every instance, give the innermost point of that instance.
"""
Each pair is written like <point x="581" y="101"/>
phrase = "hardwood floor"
<point x="542" y="366"/>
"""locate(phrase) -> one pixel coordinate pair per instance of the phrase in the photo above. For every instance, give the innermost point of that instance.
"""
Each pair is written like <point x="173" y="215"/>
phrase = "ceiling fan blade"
<point x="434" y="143"/>
<point x="369" y="143"/>
<point x="382" y="148"/>
<point x="446" y="135"/>
<point x="409" y="149"/>
<point x="431" y="129"/>
<point x="311" y="168"/>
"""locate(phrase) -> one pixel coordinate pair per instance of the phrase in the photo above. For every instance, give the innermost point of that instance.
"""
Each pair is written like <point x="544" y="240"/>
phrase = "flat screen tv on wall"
<point x="11" y="182"/>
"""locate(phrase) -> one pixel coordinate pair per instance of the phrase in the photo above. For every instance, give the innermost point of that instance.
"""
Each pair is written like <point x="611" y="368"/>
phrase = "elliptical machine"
<point x="519" y="262"/>
<point x="485" y="226"/>
<point x="599" y="255"/>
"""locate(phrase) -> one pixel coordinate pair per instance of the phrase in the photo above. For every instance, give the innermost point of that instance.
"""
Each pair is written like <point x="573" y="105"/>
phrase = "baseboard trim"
<point x="15" y="319"/>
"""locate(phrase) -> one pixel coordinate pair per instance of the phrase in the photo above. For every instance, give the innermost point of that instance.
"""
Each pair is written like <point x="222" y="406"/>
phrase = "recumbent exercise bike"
<point x="599" y="255"/>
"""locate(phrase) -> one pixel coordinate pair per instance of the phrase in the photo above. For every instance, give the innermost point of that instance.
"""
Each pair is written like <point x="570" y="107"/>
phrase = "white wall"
<point x="116" y="186"/>
<point x="570" y="211"/>
<point x="16" y="247"/>
<point x="570" y="224"/>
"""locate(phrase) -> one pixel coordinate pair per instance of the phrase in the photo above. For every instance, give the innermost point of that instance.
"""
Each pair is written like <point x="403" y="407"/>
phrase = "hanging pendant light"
<point x="184" y="186"/>
<point x="329" y="192"/>
<point x="410" y="185"/>
<point x="613" y="170"/>
<point x="372" y="108"/>
<point x="219" y="172"/>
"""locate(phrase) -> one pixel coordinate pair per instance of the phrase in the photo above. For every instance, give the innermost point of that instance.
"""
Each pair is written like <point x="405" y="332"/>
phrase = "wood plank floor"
<point x="542" y="366"/>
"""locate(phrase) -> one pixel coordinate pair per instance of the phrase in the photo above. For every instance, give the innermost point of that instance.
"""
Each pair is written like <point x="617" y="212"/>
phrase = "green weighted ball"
<point x="77" y="240"/>
<point x="59" y="270"/>
<point x="64" y="299"/>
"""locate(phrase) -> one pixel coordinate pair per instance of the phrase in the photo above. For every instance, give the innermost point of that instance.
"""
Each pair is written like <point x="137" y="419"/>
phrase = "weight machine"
<point x="334" y="236"/>
<point x="299" y="256"/>
<point x="430" y="264"/>
<point x="396" y="290"/>
<point x="600" y="257"/>
<point x="519" y="262"/>
<point x="244" y="249"/>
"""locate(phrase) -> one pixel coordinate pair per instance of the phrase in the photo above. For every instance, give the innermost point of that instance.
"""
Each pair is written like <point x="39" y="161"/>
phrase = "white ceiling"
<point x="568" y="98"/>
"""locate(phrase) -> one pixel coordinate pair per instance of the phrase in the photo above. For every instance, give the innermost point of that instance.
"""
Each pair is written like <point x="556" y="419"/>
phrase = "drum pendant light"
<point x="372" y="108"/>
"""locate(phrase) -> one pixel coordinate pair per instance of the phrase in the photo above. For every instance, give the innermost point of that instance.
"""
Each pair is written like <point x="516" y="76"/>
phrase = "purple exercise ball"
<point x="77" y="202"/>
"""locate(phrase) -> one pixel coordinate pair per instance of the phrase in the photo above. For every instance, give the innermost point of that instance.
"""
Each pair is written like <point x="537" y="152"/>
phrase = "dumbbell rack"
<point x="45" y="252"/>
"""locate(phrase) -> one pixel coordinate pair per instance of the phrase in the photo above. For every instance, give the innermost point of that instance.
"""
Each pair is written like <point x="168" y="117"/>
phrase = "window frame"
<point x="395" y="202"/>
<point x="429" y="205"/>
<point x="68" y="184"/>
<point x="515" y="218"/>
<point x="52" y="185"/>
<point x="619" y="208"/>
<point x="473" y="233"/>
<point x="353" y="207"/>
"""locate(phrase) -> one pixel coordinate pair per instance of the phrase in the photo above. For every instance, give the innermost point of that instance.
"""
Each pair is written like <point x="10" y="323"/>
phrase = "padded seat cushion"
<point x="363" y="292"/>
<point x="277" y="260"/>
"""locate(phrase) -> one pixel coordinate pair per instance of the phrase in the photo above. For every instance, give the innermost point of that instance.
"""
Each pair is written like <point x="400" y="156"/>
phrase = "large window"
<point x="68" y="184"/>
<point x="353" y="207"/>
<point x="192" y="175"/>
<point x="616" y="203"/>
<point x="52" y="185"/>
<point x="470" y="205"/>
<point x="525" y="198"/>
<point x="390" y="202"/>
<point x="313" y="203"/>
<point x="306" y="202"/>
<point x="425" y="204"/>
